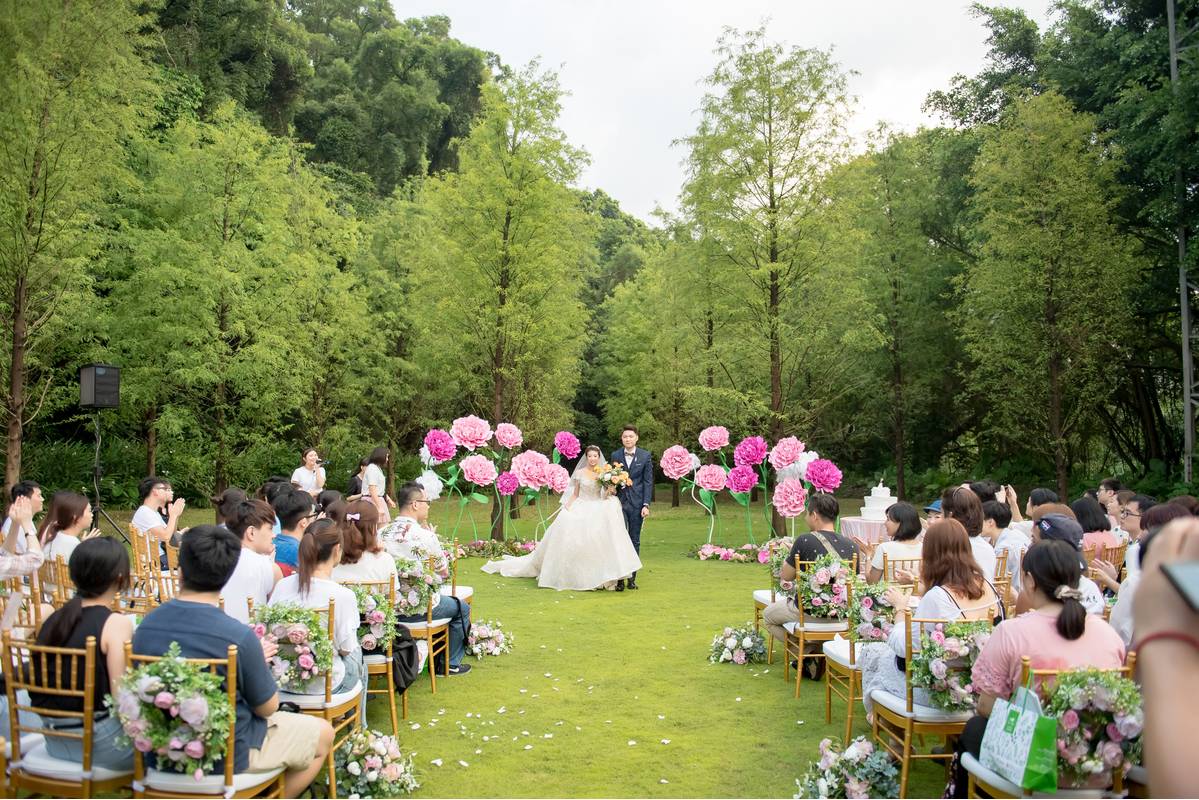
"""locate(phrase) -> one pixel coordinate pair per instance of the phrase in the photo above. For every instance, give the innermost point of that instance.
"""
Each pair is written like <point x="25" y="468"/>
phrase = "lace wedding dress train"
<point x="585" y="547"/>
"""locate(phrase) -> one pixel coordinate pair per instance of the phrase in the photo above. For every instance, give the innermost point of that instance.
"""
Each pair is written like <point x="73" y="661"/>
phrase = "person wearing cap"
<point x="932" y="512"/>
<point x="1055" y="522"/>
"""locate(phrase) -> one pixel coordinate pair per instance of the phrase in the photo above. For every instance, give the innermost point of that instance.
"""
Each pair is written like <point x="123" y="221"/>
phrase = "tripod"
<point x="97" y="472"/>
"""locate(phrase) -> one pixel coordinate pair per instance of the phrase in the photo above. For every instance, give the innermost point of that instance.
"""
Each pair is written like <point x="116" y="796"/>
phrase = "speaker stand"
<point x="97" y="471"/>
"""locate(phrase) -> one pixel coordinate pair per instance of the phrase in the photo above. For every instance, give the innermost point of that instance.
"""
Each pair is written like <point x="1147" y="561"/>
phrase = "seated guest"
<point x="157" y="499"/>
<point x="100" y="570"/>
<point x="1189" y="502"/>
<point x="1036" y="498"/>
<point x="271" y="490"/>
<point x="1056" y="633"/>
<point x="1097" y="528"/>
<point x="1121" y="617"/>
<point x="32" y="492"/>
<point x="1108" y="497"/>
<point x="986" y="490"/>
<point x="964" y="506"/>
<point x="415" y="540"/>
<point x="955" y="589"/>
<point x="932" y="512"/>
<point x="265" y="738"/>
<point x="256" y="573"/>
<point x="1055" y="521"/>
<point x="903" y="526"/>
<point x="1009" y="540"/>
<point x="72" y="518"/>
<point x="362" y="556"/>
<point x="226" y="503"/>
<point x="21" y="559"/>
<point x="295" y="511"/>
<point x="1132" y="521"/>
<point x="312" y="586"/>
<point x="325" y="499"/>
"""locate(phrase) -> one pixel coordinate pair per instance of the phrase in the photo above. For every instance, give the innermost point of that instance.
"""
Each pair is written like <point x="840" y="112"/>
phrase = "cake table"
<point x="868" y="530"/>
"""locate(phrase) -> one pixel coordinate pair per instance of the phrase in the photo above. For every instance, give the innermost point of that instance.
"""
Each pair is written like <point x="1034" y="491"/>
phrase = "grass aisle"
<point x="593" y="672"/>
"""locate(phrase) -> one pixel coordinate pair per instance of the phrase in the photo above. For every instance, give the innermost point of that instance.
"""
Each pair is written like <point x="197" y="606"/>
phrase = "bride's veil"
<point x="577" y="476"/>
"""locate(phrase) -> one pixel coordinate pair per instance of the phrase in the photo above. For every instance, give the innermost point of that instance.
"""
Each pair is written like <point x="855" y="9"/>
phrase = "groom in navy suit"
<point x="635" y="499"/>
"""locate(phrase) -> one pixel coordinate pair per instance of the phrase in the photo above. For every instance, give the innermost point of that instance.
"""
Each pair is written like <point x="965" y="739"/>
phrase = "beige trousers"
<point x="778" y="613"/>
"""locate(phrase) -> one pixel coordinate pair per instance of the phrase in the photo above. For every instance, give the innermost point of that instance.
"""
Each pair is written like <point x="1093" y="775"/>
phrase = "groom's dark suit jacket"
<point x="642" y="473"/>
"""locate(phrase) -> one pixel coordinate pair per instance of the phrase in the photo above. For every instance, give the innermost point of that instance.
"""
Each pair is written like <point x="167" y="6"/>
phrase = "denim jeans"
<point x="105" y="750"/>
<point x="459" y="614"/>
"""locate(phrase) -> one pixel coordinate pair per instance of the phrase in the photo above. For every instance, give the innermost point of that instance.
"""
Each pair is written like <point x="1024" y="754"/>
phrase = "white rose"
<point x="426" y="457"/>
<point x="747" y="642"/>
<point x="727" y="655"/>
<point x="354" y="768"/>
<point x="731" y="642"/>
<point x="822" y="787"/>
<point x="431" y="484"/>
<point x="695" y="462"/>
<point x="372" y="776"/>
<point x="853" y="752"/>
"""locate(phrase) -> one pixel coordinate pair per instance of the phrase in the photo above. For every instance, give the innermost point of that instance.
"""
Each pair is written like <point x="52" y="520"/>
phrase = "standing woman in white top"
<point x="374" y="483"/>
<point x="310" y="475"/>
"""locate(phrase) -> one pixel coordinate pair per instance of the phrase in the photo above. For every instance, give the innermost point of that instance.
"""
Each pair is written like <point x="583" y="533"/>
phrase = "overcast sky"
<point x="634" y="67"/>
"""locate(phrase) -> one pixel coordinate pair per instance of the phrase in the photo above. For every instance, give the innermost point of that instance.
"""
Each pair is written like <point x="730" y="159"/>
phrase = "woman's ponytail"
<point x="316" y="546"/>
<point x="1056" y="569"/>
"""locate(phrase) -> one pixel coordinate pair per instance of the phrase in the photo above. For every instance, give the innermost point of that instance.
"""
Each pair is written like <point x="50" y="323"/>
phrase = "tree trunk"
<point x="152" y="440"/>
<point x="675" y="495"/>
<point x="16" y="385"/>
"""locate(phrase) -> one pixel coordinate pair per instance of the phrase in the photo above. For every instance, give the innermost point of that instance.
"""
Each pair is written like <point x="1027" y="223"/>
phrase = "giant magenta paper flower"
<point x="823" y="475"/>
<point x="507" y="484"/>
<point x="529" y="468"/>
<point x="471" y="432"/>
<point x="508" y="435"/>
<point x="567" y="444"/>
<point x="714" y="438"/>
<point x="441" y="445"/>
<point x="676" y="462"/>
<point x="789" y="498"/>
<point x="556" y="477"/>
<point x="786" y="452"/>
<point x="750" y="452"/>
<point x="478" y="469"/>
<point x="742" y="479"/>
<point x="710" y="477"/>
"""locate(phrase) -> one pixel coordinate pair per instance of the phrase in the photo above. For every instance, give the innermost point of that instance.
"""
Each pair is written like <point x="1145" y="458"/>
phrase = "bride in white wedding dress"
<point x="586" y="546"/>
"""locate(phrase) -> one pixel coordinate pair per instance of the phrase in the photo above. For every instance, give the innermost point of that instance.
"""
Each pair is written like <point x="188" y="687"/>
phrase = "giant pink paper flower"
<point x="790" y="497"/>
<point x="714" y="438"/>
<point x="567" y="444"/>
<point x="508" y="435"/>
<point x="471" y="432"/>
<point x="507" y="484"/>
<point x="742" y="479"/>
<point x="676" y="462"/>
<point x="786" y="452"/>
<point x="529" y="468"/>
<point x="556" y="477"/>
<point x="823" y="475"/>
<point x="710" y="477"/>
<point x="441" y="445"/>
<point x="750" y="451"/>
<point x="478" y="469"/>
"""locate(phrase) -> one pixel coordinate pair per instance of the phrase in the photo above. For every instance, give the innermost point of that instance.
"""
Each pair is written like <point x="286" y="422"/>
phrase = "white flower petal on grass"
<point x="607" y="722"/>
<point x="549" y="674"/>
<point x="577" y="728"/>
<point x="528" y="747"/>
<point x="463" y="763"/>
<point x="665" y="741"/>
<point x="436" y="762"/>
<point x="478" y="752"/>
<point x="524" y="733"/>
<point x="799" y="722"/>
<point x="416" y="726"/>
<point x="559" y="722"/>
<point x="661" y="716"/>
<point x="738" y="699"/>
<point x="469" y="715"/>
<point x="524" y="691"/>
<point x="502" y="710"/>
<point x="632" y="742"/>
<point x="663" y="781"/>
<point x="548" y="736"/>
<point x="440" y="711"/>
<point x="487" y="738"/>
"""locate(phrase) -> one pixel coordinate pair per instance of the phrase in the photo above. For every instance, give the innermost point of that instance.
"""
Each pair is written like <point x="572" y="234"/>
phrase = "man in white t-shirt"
<point x="1009" y="540"/>
<point x="157" y="495"/>
<point x="33" y="491"/>
<point x="256" y="572"/>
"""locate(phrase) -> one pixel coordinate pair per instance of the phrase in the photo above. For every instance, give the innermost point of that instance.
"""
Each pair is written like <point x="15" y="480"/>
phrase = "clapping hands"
<point x="175" y="509"/>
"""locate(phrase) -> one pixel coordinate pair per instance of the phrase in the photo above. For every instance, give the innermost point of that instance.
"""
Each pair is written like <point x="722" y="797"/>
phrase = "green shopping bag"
<point x="1020" y="743"/>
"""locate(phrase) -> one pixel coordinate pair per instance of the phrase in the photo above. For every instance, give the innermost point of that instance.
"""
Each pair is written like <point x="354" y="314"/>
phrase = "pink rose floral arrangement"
<point x="741" y="645"/>
<point x="176" y="711"/>
<point x="714" y="437"/>
<point x="369" y="764"/>
<point x="710" y="477"/>
<point x="824" y="475"/>
<point x="750" y="451"/>
<point x="507" y="483"/>
<point x="508" y="435"/>
<point x="305" y="652"/>
<point x="1099" y="723"/>
<point x="377" y="628"/>
<point x="742" y="479"/>
<point x="870" y="616"/>
<point x="857" y="771"/>
<point x="946" y="657"/>
<point x="478" y="469"/>
<point x="470" y="432"/>
<point x="529" y="469"/>
<point x="785" y="452"/>
<point x="790" y="498"/>
<point x="824" y="587"/>
<point x="488" y="638"/>
<point x="676" y="462"/>
<point x="441" y="445"/>
<point x="567" y="444"/>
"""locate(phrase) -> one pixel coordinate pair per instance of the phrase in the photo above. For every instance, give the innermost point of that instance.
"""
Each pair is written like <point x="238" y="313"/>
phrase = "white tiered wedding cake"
<point x="877" y="503"/>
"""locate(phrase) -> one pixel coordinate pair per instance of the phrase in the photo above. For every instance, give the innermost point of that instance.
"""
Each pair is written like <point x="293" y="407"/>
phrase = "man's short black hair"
<point x="1144" y="502"/>
<point x="147" y="485"/>
<point x="208" y="554"/>
<point x="24" y="489"/>
<point x="407" y="493"/>
<point x="825" y="505"/>
<point x="1111" y="484"/>
<point x="291" y="507"/>
<point x="997" y="512"/>
<point x="1040" y="497"/>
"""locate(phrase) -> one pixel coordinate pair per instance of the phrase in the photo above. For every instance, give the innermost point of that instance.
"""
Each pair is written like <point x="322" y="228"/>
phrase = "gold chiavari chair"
<point x="55" y="581"/>
<point x="891" y="566"/>
<point x="464" y="593"/>
<point x="435" y="632"/>
<point x="379" y="664"/>
<point x="812" y="629"/>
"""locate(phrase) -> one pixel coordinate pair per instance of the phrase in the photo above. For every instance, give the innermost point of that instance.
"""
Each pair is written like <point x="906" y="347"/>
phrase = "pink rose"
<point x="143" y="744"/>
<point x="374" y="617"/>
<point x="391" y="773"/>
<point x="742" y="479"/>
<point x="529" y="468"/>
<point x="823" y="475"/>
<point x="1113" y="733"/>
<point x="164" y="699"/>
<point x="750" y="451"/>
<point x="714" y="438"/>
<point x="478" y="469"/>
<point x="556" y="477"/>
<point x="1112" y="754"/>
<point x="816" y="601"/>
<point x="1070" y="719"/>
<point x="676" y="462"/>
<point x="507" y="484"/>
<point x="938" y="669"/>
<point x="508" y="435"/>
<point x="786" y="452"/>
<point x="739" y="656"/>
<point x="865" y="630"/>
<point x="259" y="629"/>
<point x="790" y="497"/>
<point x="297" y="633"/>
<point x="763" y="556"/>
<point x="710" y="477"/>
<point x="470" y="432"/>
<point x="373" y="762"/>
<point x="194" y="711"/>
<point x="939" y="637"/>
<point x="306" y="661"/>
<point x="567" y="444"/>
<point x="195" y="748"/>
<point x="369" y="642"/>
<point x="823" y="575"/>
<point x="441" y="445"/>
<point x="867" y="602"/>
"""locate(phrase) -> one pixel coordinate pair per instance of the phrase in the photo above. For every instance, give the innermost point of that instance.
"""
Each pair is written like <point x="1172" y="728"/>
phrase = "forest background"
<point x="302" y="223"/>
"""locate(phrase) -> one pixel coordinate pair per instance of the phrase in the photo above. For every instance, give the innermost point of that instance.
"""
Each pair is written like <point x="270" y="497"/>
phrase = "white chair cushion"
<point x="763" y="597"/>
<point x="1001" y="784"/>
<point x="1137" y="774"/>
<point x="464" y="592"/>
<point x="375" y="660"/>
<point x="837" y="650"/>
<point x="179" y="783"/>
<point x="312" y="702"/>
<point x="420" y="626"/>
<point x="38" y="762"/>
<point x="809" y="626"/>
<point x="899" y="705"/>
<point x="28" y="742"/>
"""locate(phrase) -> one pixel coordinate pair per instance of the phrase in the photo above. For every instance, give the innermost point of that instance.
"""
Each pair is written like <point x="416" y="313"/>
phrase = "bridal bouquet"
<point x="175" y="710"/>
<point x="741" y="645"/>
<point x="824" y="587"/>
<point x="1099" y="722"/>
<point x="488" y="638"/>
<point x="378" y="623"/>
<point x="370" y="764"/>
<point x="612" y="476"/>
<point x="305" y="651"/>
<point x="943" y="663"/>
<point x="857" y="771"/>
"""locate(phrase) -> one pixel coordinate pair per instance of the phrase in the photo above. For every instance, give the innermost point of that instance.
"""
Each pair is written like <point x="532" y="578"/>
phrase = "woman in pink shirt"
<point x="1096" y="525"/>
<point x="1056" y="634"/>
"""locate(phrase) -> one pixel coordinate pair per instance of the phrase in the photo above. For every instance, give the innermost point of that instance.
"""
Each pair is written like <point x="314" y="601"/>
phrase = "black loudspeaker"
<point x="99" y="386"/>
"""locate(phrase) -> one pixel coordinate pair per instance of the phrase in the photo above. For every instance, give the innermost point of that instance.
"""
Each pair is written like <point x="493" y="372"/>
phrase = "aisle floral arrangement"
<point x="493" y="548"/>
<point x="413" y="587"/>
<point x="305" y="651"/>
<point x="870" y="616"/>
<point x="369" y="764"/>
<point x="488" y="638"/>
<point x="855" y="771"/>
<point x="378" y="618"/>
<point x="748" y="553"/>
<point x="943" y="663"/>
<point x="1099" y="724"/>
<point x="177" y="711"/>
<point x="824" y="587"/>
<point x="741" y="645"/>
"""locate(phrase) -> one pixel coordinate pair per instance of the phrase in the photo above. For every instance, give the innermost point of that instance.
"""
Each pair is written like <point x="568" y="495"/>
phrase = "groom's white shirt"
<point x="408" y="535"/>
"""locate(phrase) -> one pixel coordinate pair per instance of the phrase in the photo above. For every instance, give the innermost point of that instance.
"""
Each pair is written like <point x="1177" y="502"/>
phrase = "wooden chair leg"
<point x="799" y="657"/>
<point x="828" y="695"/>
<point x="432" y="655"/>
<point x="391" y="699"/>
<point x="769" y="649"/>
<point x="854" y="677"/>
<point x="404" y="703"/>
<point x="905" y="764"/>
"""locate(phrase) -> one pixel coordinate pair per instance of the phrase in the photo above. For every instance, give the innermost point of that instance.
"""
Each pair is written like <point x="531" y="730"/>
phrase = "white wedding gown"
<point x="586" y="546"/>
